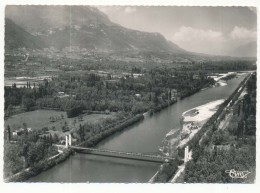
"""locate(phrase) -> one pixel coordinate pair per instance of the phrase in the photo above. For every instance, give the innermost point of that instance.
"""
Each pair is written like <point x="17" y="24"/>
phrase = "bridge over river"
<point x="144" y="136"/>
<point x="120" y="154"/>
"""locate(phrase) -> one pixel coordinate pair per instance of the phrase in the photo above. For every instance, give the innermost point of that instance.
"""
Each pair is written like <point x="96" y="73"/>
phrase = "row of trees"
<point x="90" y="134"/>
<point x="25" y="96"/>
<point x="95" y="93"/>
<point x="231" y="148"/>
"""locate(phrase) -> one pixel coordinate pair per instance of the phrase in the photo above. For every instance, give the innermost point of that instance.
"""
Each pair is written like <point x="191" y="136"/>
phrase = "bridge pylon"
<point x="68" y="140"/>
<point x="187" y="155"/>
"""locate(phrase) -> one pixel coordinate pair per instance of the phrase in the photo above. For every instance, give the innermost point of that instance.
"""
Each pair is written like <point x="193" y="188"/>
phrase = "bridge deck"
<point x="126" y="155"/>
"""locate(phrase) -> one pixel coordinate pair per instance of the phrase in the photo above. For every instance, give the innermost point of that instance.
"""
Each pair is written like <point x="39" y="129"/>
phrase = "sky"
<point x="211" y="30"/>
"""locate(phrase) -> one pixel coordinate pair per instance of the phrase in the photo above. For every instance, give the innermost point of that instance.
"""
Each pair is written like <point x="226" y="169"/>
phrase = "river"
<point x="144" y="137"/>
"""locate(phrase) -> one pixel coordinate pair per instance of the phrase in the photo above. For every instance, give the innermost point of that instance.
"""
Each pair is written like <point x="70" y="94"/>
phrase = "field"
<point x="22" y="81"/>
<point x="41" y="118"/>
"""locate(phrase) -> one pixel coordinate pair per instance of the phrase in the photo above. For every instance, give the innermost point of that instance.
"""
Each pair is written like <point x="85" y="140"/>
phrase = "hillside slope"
<point x="16" y="37"/>
<point x="85" y="27"/>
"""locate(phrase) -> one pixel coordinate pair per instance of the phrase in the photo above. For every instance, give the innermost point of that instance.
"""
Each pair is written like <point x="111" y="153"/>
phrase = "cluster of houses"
<point x="64" y="95"/>
<point x="21" y="131"/>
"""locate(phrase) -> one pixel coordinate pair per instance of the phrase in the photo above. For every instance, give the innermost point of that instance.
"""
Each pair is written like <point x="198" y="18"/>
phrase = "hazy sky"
<point x="212" y="30"/>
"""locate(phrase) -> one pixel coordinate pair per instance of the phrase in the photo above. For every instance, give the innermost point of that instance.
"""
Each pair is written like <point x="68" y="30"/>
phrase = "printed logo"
<point x="237" y="174"/>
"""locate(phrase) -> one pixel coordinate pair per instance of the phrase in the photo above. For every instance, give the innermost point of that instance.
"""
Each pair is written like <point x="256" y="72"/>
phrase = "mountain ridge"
<point x="85" y="27"/>
<point x="15" y="37"/>
<point x="88" y="28"/>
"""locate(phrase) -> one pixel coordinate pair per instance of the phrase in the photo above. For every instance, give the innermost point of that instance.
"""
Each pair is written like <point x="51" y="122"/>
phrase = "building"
<point x="15" y="133"/>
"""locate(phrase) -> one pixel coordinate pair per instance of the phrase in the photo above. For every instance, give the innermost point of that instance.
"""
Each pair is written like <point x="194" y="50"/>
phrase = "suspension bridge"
<point x="118" y="154"/>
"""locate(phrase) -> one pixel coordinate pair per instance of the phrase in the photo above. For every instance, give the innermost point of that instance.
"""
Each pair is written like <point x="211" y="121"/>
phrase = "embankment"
<point x="39" y="167"/>
<point x="163" y="175"/>
<point x="119" y="126"/>
<point x="111" y="130"/>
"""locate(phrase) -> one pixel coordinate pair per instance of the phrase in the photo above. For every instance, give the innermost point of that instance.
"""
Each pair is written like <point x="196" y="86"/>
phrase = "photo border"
<point x="115" y="187"/>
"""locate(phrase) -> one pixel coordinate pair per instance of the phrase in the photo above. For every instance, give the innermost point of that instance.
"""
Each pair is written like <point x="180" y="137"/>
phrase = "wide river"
<point x="145" y="136"/>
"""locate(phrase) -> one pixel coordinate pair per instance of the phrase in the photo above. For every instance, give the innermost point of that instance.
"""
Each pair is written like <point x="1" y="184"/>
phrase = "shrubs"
<point x="228" y="77"/>
<point x="93" y="140"/>
<point x="39" y="167"/>
<point x="161" y="106"/>
<point x="73" y="112"/>
<point x="166" y="171"/>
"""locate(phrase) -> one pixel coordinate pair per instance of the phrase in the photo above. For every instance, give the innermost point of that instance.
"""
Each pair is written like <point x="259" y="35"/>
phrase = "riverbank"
<point x="110" y="130"/>
<point x="47" y="164"/>
<point x="194" y="136"/>
<point x="192" y="121"/>
<point x="210" y="125"/>
<point x="221" y="79"/>
<point x="40" y="167"/>
<point x="127" y="123"/>
<point x="144" y="136"/>
<point x="229" y="142"/>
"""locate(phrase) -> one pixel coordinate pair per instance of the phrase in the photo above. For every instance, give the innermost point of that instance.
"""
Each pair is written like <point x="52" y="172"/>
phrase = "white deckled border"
<point x="125" y="188"/>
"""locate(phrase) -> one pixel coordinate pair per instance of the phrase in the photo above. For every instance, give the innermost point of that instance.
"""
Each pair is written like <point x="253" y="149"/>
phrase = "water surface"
<point x="144" y="137"/>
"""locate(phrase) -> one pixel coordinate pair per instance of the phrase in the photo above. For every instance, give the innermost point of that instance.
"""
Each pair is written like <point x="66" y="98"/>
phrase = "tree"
<point x="25" y="128"/>
<point x="81" y="133"/>
<point x="219" y="137"/>
<point x="52" y="119"/>
<point x="55" y="138"/>
<point x="28" y="103"/>
<point x="12" y="162"/>
<point x="240" y="128"/>
<point x="238" y="112"/>
<point x="80" y="117"/>
<point x="247" y="99"/>
<point x="50" y="140"/>
<point x="9" y="132"/>
<point x="9" y="110"/>
<point x="74" y="111"/>
<point x="156" y="95"/>
<point x="214" y="127"/>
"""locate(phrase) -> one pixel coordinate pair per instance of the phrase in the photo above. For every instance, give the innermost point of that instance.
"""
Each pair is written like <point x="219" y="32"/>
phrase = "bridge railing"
<point x="123" y="153"/>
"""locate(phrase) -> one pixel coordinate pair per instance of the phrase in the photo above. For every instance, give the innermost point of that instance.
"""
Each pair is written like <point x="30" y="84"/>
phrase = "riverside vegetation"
<point x="229" y="148"/>
<point x="127" y="96"/>
<point x="114" y="73"/>
<point x="214" y="150"/>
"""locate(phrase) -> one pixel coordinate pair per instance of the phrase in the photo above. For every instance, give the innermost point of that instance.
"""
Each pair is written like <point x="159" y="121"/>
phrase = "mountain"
<point x="44" y="19"/>
<point x="110" y="38"/>
<point x="16" y="36"/>
<point x="246" y="50"/>
<point x="84" y="27"/>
